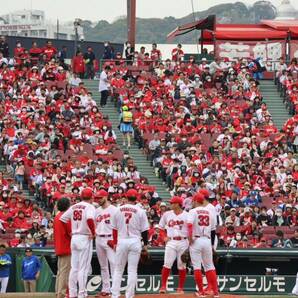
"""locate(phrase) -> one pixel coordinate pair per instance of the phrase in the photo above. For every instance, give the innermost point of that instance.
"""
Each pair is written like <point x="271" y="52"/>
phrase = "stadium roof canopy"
<point x="243" y="32"/>
<point x="208" y="23"/>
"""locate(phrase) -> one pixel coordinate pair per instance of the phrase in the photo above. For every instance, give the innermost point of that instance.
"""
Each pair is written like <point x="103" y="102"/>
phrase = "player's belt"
<point x="178" y="238"/>
<point x="105" y="236"/>
<point x="197" y="236"/>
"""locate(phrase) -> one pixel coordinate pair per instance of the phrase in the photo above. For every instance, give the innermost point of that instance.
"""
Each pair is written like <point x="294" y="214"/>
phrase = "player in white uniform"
<point x="132" y="225"/>
<point x="202" y="221"/>
<point x="175" y="224"/>
<point x="105" y="244"/>
<point x="83" y="232"/>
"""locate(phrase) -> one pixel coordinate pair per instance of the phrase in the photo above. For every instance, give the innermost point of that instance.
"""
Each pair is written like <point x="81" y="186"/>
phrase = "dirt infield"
<point x="52" y="295"/>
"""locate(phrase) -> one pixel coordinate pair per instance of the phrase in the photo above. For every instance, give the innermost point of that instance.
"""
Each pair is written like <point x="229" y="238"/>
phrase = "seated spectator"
<point x="294" y="239"/>
<point x="279" y="219"/>
<point x="280" y="241"/>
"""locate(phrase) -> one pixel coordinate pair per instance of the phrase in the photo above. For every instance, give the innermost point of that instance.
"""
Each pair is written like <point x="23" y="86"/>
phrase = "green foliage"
<point x="156" y="30"/>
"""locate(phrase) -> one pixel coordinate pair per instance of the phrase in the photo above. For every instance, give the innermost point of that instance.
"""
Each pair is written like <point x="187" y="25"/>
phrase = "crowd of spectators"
<point x="201" y="125"/>
<point x="207" y="125"/>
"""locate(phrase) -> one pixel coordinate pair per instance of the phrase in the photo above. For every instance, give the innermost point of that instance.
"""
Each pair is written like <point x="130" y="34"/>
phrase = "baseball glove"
<point x="145" y="257"/>
<point x="185" y="257"/>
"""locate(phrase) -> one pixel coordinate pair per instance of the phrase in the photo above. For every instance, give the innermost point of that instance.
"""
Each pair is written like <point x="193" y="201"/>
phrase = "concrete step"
<point x="274" y="102"/>
<point x="140" y="160"/>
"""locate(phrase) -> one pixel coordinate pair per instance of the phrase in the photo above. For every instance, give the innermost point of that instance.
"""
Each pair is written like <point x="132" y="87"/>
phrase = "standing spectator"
<point x="129" y="53"/>
<point x="4" y="49"/>
<point x="35" y="53"/>
<point x="177" y="53"/>
<point x="62" y="238"/>
<point x="30" y="271"/>
<point x="5" y="264"/>
<point x="104" y="86"/>
<point x="62" y="55"/>
<point x="108" y="52"/>
<point x="89" y="58"/>
<point x="19" y="53"/>
<point x="126" y="120"/>
<point x="49" y="50"/>
<point x="155" y="54"/>
<point x="78" y="65"/>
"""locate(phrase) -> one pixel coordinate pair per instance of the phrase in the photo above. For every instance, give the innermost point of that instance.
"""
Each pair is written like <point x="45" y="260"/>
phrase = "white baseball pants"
<point x="128" y="251"/>
<point x="295" y="289"/>
<point x="201" y="253"/>
<point x="3" y="284"/>
<point x="106" y="257"/>
<point x="81" y="254"/>
<point x="174" y="250"/>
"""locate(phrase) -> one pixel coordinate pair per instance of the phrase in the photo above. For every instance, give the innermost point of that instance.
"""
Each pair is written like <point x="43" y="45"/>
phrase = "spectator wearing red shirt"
<point x="18" y="53"/>
<point x="49" y="50"/>
<point x="177" y="53"/>
<point x="62" y="238"/>
<point x="20" y="222"/>
<point x="78" y="64"/>
<point x="35" y="53"/>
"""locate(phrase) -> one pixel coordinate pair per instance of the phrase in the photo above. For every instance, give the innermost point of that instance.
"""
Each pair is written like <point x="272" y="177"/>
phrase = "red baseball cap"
<point x="101" y="193"/>
<point x="176" y="200"/>
<point x="204" y="192"/>
<point x="131" y="193"/>
<point x="87" y="193"/>
<point x="198" y="197"/>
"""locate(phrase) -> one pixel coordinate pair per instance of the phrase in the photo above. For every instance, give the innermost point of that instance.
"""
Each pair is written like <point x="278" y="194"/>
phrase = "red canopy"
<point x="281" y="24"/>
<point x="286" y="25"/>
<point x="204" y="24"/>
<point x="243" y="32"/>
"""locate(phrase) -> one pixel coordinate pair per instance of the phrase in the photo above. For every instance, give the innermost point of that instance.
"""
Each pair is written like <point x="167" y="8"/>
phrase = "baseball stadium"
<point x="148" y="149"/>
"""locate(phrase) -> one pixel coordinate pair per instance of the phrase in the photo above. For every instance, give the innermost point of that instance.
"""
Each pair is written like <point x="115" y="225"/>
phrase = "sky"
<point x="94" y="10"/>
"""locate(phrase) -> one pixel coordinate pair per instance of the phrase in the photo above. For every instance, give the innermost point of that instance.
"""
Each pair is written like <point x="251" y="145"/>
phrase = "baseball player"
<point x="201" y="227"/>
<point x="105" y="245"/>
<point x="174" y="222"/>
<point x="82" y="217"/>
<point x="132" y="225"/>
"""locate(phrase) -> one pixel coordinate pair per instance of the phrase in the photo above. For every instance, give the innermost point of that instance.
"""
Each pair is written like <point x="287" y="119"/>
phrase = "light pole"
<point x="77" y="23"/>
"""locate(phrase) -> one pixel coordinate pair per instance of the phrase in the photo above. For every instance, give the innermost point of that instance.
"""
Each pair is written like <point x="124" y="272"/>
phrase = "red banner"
<point x="293" y="49"/>
<point x="269" y="51"/>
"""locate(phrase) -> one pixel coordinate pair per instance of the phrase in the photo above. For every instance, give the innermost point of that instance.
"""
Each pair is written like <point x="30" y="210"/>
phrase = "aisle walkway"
<point x="141" y="162"/>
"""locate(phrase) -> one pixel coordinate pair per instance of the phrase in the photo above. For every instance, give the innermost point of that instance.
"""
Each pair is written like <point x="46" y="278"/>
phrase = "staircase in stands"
<point x="141" y="162"/>
<point x="274" y="103"/>
<point x="25" y="191"/>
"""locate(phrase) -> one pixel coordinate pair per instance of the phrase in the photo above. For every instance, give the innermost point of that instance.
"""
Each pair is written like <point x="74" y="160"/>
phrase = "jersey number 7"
<point x="128" y="217"/>
<point x="203" y="220"/>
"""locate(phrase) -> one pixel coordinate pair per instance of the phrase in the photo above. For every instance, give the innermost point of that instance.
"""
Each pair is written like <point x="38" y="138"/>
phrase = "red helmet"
<point x="204" y="192"/>
<point x="198" y="197"/>
<point x="176" y="200"/>
<point x="87" y="193"/>
<point x="101" y="193"/>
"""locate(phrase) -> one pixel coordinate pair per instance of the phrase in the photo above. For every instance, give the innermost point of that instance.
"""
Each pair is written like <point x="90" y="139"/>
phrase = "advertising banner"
<point x="269" y="51"/>
<point x="237" y="284"/>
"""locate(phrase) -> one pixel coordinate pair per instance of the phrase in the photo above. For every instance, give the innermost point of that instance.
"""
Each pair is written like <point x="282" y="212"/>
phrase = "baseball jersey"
<point x="130" y="222"/>
<point x="103" y="218"/>
<point x="203" y="220"/>
<point x="79" y="214"/>
<point x="176" y="225"/>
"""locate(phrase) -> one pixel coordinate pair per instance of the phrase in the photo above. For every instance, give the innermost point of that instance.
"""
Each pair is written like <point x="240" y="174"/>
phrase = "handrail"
<point x="288" y="252"/>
